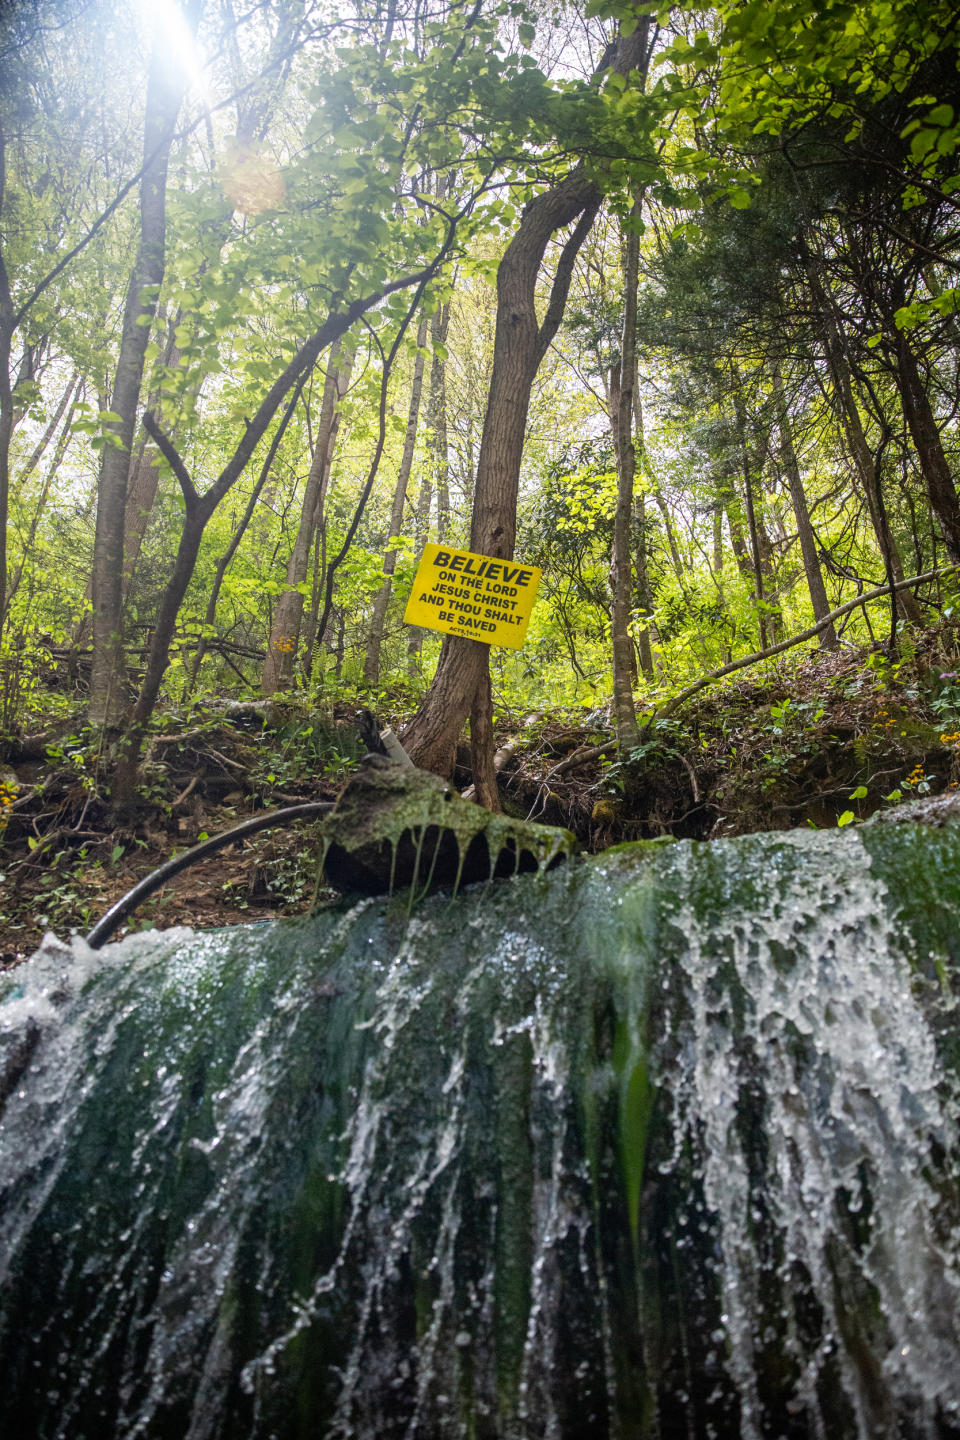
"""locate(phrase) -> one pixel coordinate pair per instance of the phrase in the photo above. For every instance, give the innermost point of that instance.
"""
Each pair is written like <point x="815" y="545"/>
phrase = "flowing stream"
<point x="660" y="1144"/>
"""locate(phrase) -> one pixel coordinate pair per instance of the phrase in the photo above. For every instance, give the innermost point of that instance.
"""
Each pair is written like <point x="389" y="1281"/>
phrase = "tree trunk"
<point x="199" y="508"/>
<point x="906" y="600"/>
<point x="256" y="104"/>
<point x="165" y="89"/>
<point x="316" y="600"/>
<point x="768" y="614"/>
<point x="808" y="543"/>
<point x="210" y="614"/>
<point x="437" y="420"/>
<point x="63" y="440"/>
<point x="69" y="397"/>
<point x="486" y="790"/>
<point x="437" y="467"/>
<point x="926" y="437"/>
<point x="519" y="346"/>
<point x="738" y="544"/>
<point x="371" y="665"/>
<point x="144" y="480"/>
<point x="623" y="379"/>
<point x="520" y="343"/>
<point x="278" y="666"/>
<point x="835" y="348"/>
<point x="648" y="633"/>
<point x="7" y="327"/>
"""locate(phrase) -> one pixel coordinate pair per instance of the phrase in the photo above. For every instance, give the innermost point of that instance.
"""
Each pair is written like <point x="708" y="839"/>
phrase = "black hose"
<point x="115" y="916"/>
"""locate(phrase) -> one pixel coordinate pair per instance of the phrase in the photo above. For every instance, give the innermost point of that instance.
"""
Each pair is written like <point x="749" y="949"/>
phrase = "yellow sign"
<point x="473" y="595"/>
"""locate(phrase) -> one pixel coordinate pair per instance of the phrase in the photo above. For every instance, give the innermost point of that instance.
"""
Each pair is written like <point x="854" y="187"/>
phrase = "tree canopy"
<point x="663" y="300"/>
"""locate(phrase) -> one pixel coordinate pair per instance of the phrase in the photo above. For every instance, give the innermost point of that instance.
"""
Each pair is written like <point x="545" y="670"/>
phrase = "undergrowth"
<point x="820" y="740"/>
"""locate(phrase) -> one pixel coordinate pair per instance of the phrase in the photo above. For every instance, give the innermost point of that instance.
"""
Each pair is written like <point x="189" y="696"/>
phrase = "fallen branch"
<point x="225" y="759"/>
<point x="191" y="786"/>
<point x="876" y="594"/>
<point x="693" y="780"/>
<point x="180" y="739"/>
<point x="505" y="753"/>
<point x="583" y="756"/>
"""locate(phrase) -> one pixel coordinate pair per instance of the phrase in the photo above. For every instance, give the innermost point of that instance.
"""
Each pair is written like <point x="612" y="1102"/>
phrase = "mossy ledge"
<point x="393" y="827"/>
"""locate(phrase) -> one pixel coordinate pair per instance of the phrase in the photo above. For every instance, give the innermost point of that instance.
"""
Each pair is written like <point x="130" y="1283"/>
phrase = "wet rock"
<point x="394" y="827"/>
<point x="934" y="810"/>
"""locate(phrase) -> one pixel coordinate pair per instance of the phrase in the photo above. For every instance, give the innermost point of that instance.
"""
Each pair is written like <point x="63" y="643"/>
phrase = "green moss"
<point x="394" y="826"/>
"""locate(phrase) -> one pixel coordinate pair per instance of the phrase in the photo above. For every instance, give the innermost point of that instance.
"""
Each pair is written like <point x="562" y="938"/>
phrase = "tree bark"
<point x="835" y="349"/>
<point x="808" y="543"/>
<point x="437" y="468"/>
<point x="486" y="790"/>
<point x="7" y="326"/>
<point x="922" y="423"/>
<point x="622" y="384"/>
<point x="769" y="617"/>
<point x="520" y="343"/>
<point x="280" y="661"/>
<point x="648" y="632"/>
<point x="371" y="664"/>
<point x="519" y="346"/>
<point x="165" y="90"/>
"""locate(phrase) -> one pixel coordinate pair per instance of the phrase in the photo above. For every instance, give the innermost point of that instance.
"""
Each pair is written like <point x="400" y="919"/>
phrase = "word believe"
<point x="460" y="593"/>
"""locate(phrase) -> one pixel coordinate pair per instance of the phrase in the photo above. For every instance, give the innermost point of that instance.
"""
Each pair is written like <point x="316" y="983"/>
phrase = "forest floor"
<point x="822" y="739"/>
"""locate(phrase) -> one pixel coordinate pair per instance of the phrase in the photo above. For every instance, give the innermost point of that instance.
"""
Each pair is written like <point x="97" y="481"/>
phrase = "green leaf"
<point x="859" y="794"/>
<point x="846" y="818"/>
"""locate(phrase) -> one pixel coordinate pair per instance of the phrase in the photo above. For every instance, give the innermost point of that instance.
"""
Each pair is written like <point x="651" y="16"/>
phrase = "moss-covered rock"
<point x="393" y="827"/>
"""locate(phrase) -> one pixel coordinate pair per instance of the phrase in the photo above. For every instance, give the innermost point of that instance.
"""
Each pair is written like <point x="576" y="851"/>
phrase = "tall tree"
<point x="461" y="683"/>
<point x="801" y="510"/>
<point x="166" y="86"/>
<point x="371" y="663"/>
<point x="623" y="384"/>
<point x="284" y="639"/>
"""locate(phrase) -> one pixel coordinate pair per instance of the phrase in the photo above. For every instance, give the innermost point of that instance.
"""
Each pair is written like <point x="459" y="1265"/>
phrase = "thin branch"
<point x="374" y="464"/>
<point x="582" y="756"/>
<point x="172" y="456"/>
<point x="876" y="594"/>
<point x="135" y="179"/>
<point x="564" y="274"/>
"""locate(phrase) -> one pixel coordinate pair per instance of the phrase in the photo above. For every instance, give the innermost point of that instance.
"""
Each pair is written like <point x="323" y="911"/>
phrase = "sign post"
<point x="476" y="596"/>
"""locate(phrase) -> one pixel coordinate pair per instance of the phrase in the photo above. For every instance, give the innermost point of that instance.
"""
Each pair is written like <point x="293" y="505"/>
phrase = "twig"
<point x="232" y="764"/>
<point x="180" y="739"/>
<point x="580" y="757"/>
<point x="184" y="793"/>
<point x="506" y="752"/>
<point x="693" y="779"/>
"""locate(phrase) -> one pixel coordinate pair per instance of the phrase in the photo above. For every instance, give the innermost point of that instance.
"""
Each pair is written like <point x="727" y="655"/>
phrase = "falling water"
<point x="661" y="1144"/>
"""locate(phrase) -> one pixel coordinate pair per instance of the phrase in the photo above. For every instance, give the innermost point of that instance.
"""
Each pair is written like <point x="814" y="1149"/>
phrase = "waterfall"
<point x="663" y="1143"/>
